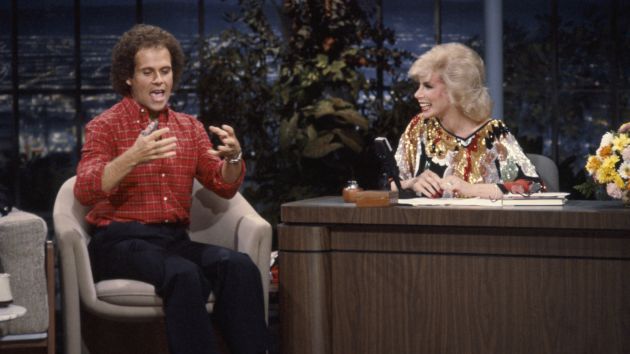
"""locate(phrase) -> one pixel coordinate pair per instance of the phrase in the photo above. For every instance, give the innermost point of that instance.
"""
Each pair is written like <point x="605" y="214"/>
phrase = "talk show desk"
<point x="454" y="279"/>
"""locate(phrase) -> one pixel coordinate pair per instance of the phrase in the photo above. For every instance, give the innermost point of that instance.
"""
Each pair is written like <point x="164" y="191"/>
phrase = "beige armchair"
<point x="28" y="256"/>
<point x="231" y="223"/>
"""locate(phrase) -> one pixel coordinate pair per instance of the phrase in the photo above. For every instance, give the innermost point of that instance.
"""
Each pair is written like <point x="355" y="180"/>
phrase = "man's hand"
<point x="230" y="150"/>
<point x="151" y="147"/>
<point x="230" y="147"/>
<point x="146" y="148"/>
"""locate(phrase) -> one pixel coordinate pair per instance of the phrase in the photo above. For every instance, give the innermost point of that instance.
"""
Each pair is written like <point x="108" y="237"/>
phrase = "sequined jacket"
<point x="489" y="155"/>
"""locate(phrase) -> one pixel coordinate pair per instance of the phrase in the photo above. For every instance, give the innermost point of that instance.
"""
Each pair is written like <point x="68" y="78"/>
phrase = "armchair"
<point x="26" y="254"/>
<point x="229" y="223"/>
<point x="547" y="170"/>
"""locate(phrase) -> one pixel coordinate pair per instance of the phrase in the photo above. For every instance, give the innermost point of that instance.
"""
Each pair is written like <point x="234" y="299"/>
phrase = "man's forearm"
<point x="231" y="171"/>
<point x="115" y="171"/>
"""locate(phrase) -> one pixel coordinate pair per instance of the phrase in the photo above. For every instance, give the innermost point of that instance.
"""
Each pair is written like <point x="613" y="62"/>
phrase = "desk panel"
<point x="454" y="280"/>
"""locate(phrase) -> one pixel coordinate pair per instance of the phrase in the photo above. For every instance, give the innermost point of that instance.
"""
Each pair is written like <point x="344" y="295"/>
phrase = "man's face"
<point x="152" y="78"/>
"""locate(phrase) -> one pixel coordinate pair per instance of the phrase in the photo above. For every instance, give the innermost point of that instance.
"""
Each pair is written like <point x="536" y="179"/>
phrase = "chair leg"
<point x="50" y="282"/>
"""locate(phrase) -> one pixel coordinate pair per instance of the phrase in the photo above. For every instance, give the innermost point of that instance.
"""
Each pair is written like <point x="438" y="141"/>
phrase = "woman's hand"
<point x="454" y="186"/>
<point x="457" y="187"/>
<point x="427" y="184"/>
<point x="624" y="128"/>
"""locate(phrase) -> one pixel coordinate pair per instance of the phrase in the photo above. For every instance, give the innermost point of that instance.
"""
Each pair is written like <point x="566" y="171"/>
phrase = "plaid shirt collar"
<point x="135" y="109"/>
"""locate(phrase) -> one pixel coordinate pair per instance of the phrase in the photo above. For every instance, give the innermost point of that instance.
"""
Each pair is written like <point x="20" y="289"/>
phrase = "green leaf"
<point x="353" y="117"/>
<point x="311" y="132"/>
<point x="352" y="141"/>
<point x="288" y="131"/>
<point x="321" y="146"/>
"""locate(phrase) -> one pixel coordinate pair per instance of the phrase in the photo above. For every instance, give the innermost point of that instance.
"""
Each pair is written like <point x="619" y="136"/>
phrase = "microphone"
<point x="386" y="156"/>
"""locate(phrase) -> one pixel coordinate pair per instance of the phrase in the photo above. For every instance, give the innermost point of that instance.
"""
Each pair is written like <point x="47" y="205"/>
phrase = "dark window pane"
<point x="527" y="56"/>
<point x="6" y="138"/>
<point x="584" y="43"/>
<point x="462" y="21"/>
<point x="181" y="19"/>
<point x="413" y="24"/>
<point x="216" y="13"/>
<point x="93" y="105"/>
<point x="527" y="73"/>
<point x="101" y="26"/>
<point x="624" y="106"/>
<point x="46" y="44"/>
<point x="623" y="44"/>
<point x="47" y="148"/>
<point x="528" y="114"/>
<point x="46" y="123"/>
<point x="5" y="45"/>
<point x="585" y="118"/>
<point x="186" y="102"/>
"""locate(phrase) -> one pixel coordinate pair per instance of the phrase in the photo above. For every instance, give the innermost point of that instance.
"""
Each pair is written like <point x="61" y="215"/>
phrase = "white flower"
<point x="624" y="170"/>
<point x="613" y="191"/>
<point x="607" y="139"/>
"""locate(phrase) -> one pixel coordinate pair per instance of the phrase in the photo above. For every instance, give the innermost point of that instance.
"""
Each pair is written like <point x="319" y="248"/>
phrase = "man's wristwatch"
<point x="236" y="159"/>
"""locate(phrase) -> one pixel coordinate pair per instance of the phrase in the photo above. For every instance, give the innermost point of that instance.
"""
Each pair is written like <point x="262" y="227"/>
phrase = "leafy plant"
<point x="297" y="94"/>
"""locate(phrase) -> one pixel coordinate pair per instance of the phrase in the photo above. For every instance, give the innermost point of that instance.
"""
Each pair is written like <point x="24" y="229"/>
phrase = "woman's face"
<point x="432" y="97"/>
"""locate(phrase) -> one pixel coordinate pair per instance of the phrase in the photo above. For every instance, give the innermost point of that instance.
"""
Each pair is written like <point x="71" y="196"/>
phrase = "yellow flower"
<point x="607" y="171"/>
<point x="619" y="181"/>
<point x="604" y="151"/>
<point x="620" y="142"/>
<point x="593" y="164"/>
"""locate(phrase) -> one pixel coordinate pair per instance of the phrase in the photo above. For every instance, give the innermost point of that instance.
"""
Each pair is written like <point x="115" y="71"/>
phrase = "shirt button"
<point x="163" y="174"/>
<point x="166" y="221"/>
<point x="165" y="198"/>
<point x="141" y="110"/>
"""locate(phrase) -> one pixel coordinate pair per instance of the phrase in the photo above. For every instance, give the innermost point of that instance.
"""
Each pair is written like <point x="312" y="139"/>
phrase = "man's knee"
<point x="183" y="273"/>
<point x="240" y="263"/>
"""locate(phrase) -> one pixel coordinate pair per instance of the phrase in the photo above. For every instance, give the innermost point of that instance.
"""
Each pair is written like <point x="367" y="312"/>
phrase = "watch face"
<point x="237" y="158"/>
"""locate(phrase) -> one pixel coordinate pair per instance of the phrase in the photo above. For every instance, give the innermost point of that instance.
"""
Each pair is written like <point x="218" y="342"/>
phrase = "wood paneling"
<point x="454" y="280"/>
<point x="403" y="303"/>
<point x="575" y="214"/>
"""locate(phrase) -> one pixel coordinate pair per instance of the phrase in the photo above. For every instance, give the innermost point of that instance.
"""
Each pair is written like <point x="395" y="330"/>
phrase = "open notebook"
<point x="539" y="199"/>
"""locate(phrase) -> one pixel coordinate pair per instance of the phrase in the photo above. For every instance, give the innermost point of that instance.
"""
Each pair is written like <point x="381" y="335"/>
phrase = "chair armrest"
<point x="254" y="238"/>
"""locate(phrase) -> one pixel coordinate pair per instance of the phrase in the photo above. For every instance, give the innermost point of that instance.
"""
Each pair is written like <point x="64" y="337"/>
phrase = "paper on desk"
<point x="538" y="199"/>
<point x="541" y="195"/>
<point x="508" y="199"/>
<point x="452" y="201"/>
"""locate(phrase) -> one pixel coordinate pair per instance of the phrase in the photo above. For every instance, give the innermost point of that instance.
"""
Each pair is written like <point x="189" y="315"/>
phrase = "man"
<point x="136" y="172"/>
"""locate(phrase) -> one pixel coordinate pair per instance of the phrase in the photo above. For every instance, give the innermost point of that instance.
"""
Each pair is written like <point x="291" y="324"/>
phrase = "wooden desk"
<point x="454" y="279"/>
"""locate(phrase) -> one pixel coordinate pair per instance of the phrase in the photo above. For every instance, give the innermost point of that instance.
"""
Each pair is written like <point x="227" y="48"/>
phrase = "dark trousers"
<point x="184" y="273"/>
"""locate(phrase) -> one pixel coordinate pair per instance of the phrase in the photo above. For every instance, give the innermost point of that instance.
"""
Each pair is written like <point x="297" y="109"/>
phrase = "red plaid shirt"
<point x="155" y="192"/>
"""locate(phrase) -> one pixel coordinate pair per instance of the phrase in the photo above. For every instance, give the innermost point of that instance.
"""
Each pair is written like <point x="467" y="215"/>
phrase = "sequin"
<point x="489" y="155"/>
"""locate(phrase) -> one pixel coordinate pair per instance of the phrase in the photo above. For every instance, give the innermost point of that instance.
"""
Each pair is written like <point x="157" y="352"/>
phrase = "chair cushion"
<point x="127" y="292"/>
<point x="22" y="245"/>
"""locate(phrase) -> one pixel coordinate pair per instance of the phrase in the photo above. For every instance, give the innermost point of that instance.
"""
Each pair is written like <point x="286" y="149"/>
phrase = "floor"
<point x="273" y="323"/>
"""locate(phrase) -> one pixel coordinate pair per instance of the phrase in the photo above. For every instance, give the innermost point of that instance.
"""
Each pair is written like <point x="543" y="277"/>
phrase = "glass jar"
<point x="349" y="192"/>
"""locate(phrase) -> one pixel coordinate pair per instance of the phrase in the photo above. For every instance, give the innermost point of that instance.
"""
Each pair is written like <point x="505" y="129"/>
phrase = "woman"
<point x="452" y="146"/>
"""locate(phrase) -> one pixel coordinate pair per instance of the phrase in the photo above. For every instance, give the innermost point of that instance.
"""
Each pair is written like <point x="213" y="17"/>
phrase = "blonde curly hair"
<point x="462" y="71"/>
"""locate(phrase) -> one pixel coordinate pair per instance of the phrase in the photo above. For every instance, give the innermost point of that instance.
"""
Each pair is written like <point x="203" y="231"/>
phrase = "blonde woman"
<point x="453" y="147"/>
